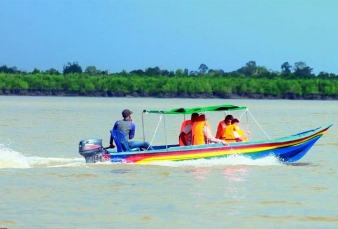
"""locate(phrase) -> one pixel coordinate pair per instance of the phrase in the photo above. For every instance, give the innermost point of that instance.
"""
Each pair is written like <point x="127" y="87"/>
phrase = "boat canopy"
<point x="181" y="110"/>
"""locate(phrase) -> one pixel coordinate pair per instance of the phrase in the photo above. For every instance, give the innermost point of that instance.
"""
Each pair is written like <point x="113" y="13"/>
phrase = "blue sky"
<point x="130" y="35"/>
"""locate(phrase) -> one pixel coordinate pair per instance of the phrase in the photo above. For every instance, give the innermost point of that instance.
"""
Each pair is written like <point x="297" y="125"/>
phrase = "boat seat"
<point x="121" y="142"/>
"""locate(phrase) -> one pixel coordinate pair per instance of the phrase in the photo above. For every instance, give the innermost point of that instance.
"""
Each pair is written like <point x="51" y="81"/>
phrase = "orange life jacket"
<point x="198" y="137"/>
<point x="220" y="133"/>
<point x="197" y="133"/>
<point x="229" y="133"/>
<point x="241" y="133"/>
<point x="186" y="136"/>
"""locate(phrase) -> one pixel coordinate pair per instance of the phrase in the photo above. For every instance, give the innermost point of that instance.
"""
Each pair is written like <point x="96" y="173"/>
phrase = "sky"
<point x="119" y="35"/>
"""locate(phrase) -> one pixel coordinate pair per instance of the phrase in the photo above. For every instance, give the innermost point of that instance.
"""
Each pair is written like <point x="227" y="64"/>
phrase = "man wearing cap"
<point x="127" y="127"/>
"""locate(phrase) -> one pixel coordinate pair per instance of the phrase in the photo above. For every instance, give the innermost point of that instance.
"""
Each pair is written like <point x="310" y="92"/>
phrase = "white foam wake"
<point x="232" y="160"/>
<point x="13" y="159"/>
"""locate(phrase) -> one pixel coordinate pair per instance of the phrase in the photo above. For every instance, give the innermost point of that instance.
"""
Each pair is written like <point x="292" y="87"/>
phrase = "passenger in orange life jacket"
<point x="233" y="133"/>
<point x="220" y="134"/>
<point x="201" y="133"/>
<point x="185" y="132"/>
<point x="239" y="135"/>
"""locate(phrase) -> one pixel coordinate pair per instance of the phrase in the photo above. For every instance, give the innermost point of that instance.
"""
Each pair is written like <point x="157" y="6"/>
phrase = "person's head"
<point x="201" y="117"/>
<point x="235" y="121"/>
<point x="228" y="119"/>
<point x="126" y="113"/>
<point x="194" y="117"/>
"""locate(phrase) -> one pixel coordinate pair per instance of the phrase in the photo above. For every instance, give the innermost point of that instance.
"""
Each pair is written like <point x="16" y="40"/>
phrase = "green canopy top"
<point x="223" y="107"/>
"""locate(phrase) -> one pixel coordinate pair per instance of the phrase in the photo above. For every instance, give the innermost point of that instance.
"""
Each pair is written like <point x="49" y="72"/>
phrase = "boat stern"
<point x="92" y="150"/>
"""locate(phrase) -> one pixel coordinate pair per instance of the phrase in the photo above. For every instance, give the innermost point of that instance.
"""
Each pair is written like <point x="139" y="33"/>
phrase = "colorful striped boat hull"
<point x="287" y="149"/>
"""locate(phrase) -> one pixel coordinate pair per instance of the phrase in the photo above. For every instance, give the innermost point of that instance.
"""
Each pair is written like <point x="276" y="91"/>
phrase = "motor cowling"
<point x="91" y="150"/>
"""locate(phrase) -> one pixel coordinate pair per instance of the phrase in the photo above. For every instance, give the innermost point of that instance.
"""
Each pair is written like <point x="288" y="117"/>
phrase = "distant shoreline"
<point x="164" y="95"/>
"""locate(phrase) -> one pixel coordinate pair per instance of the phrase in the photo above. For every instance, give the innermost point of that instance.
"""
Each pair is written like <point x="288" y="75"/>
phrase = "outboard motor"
<point x="91" y="150"/>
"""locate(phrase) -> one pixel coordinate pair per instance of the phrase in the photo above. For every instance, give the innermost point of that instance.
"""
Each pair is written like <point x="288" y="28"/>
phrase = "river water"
<point x="45" y="183"/>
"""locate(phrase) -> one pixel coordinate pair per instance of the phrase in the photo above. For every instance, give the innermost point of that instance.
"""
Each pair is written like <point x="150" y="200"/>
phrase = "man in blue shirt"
<point x="127" y="127"/>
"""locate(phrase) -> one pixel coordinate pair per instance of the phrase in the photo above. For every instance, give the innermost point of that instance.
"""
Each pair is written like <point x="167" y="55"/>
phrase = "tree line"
<point x="299" y="69"/>
<point x="248" y="81"/>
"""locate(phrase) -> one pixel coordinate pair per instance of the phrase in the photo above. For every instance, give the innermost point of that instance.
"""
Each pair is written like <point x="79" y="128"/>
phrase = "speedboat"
<point x="287" y="149"/>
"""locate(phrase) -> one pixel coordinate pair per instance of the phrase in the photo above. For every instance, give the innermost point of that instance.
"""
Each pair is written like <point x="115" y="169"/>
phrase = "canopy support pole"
<point x="144" y="137"/>
<point x="165" y="133"/>
<point x="158" y="124"/>
<point x="258" y="124"/>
